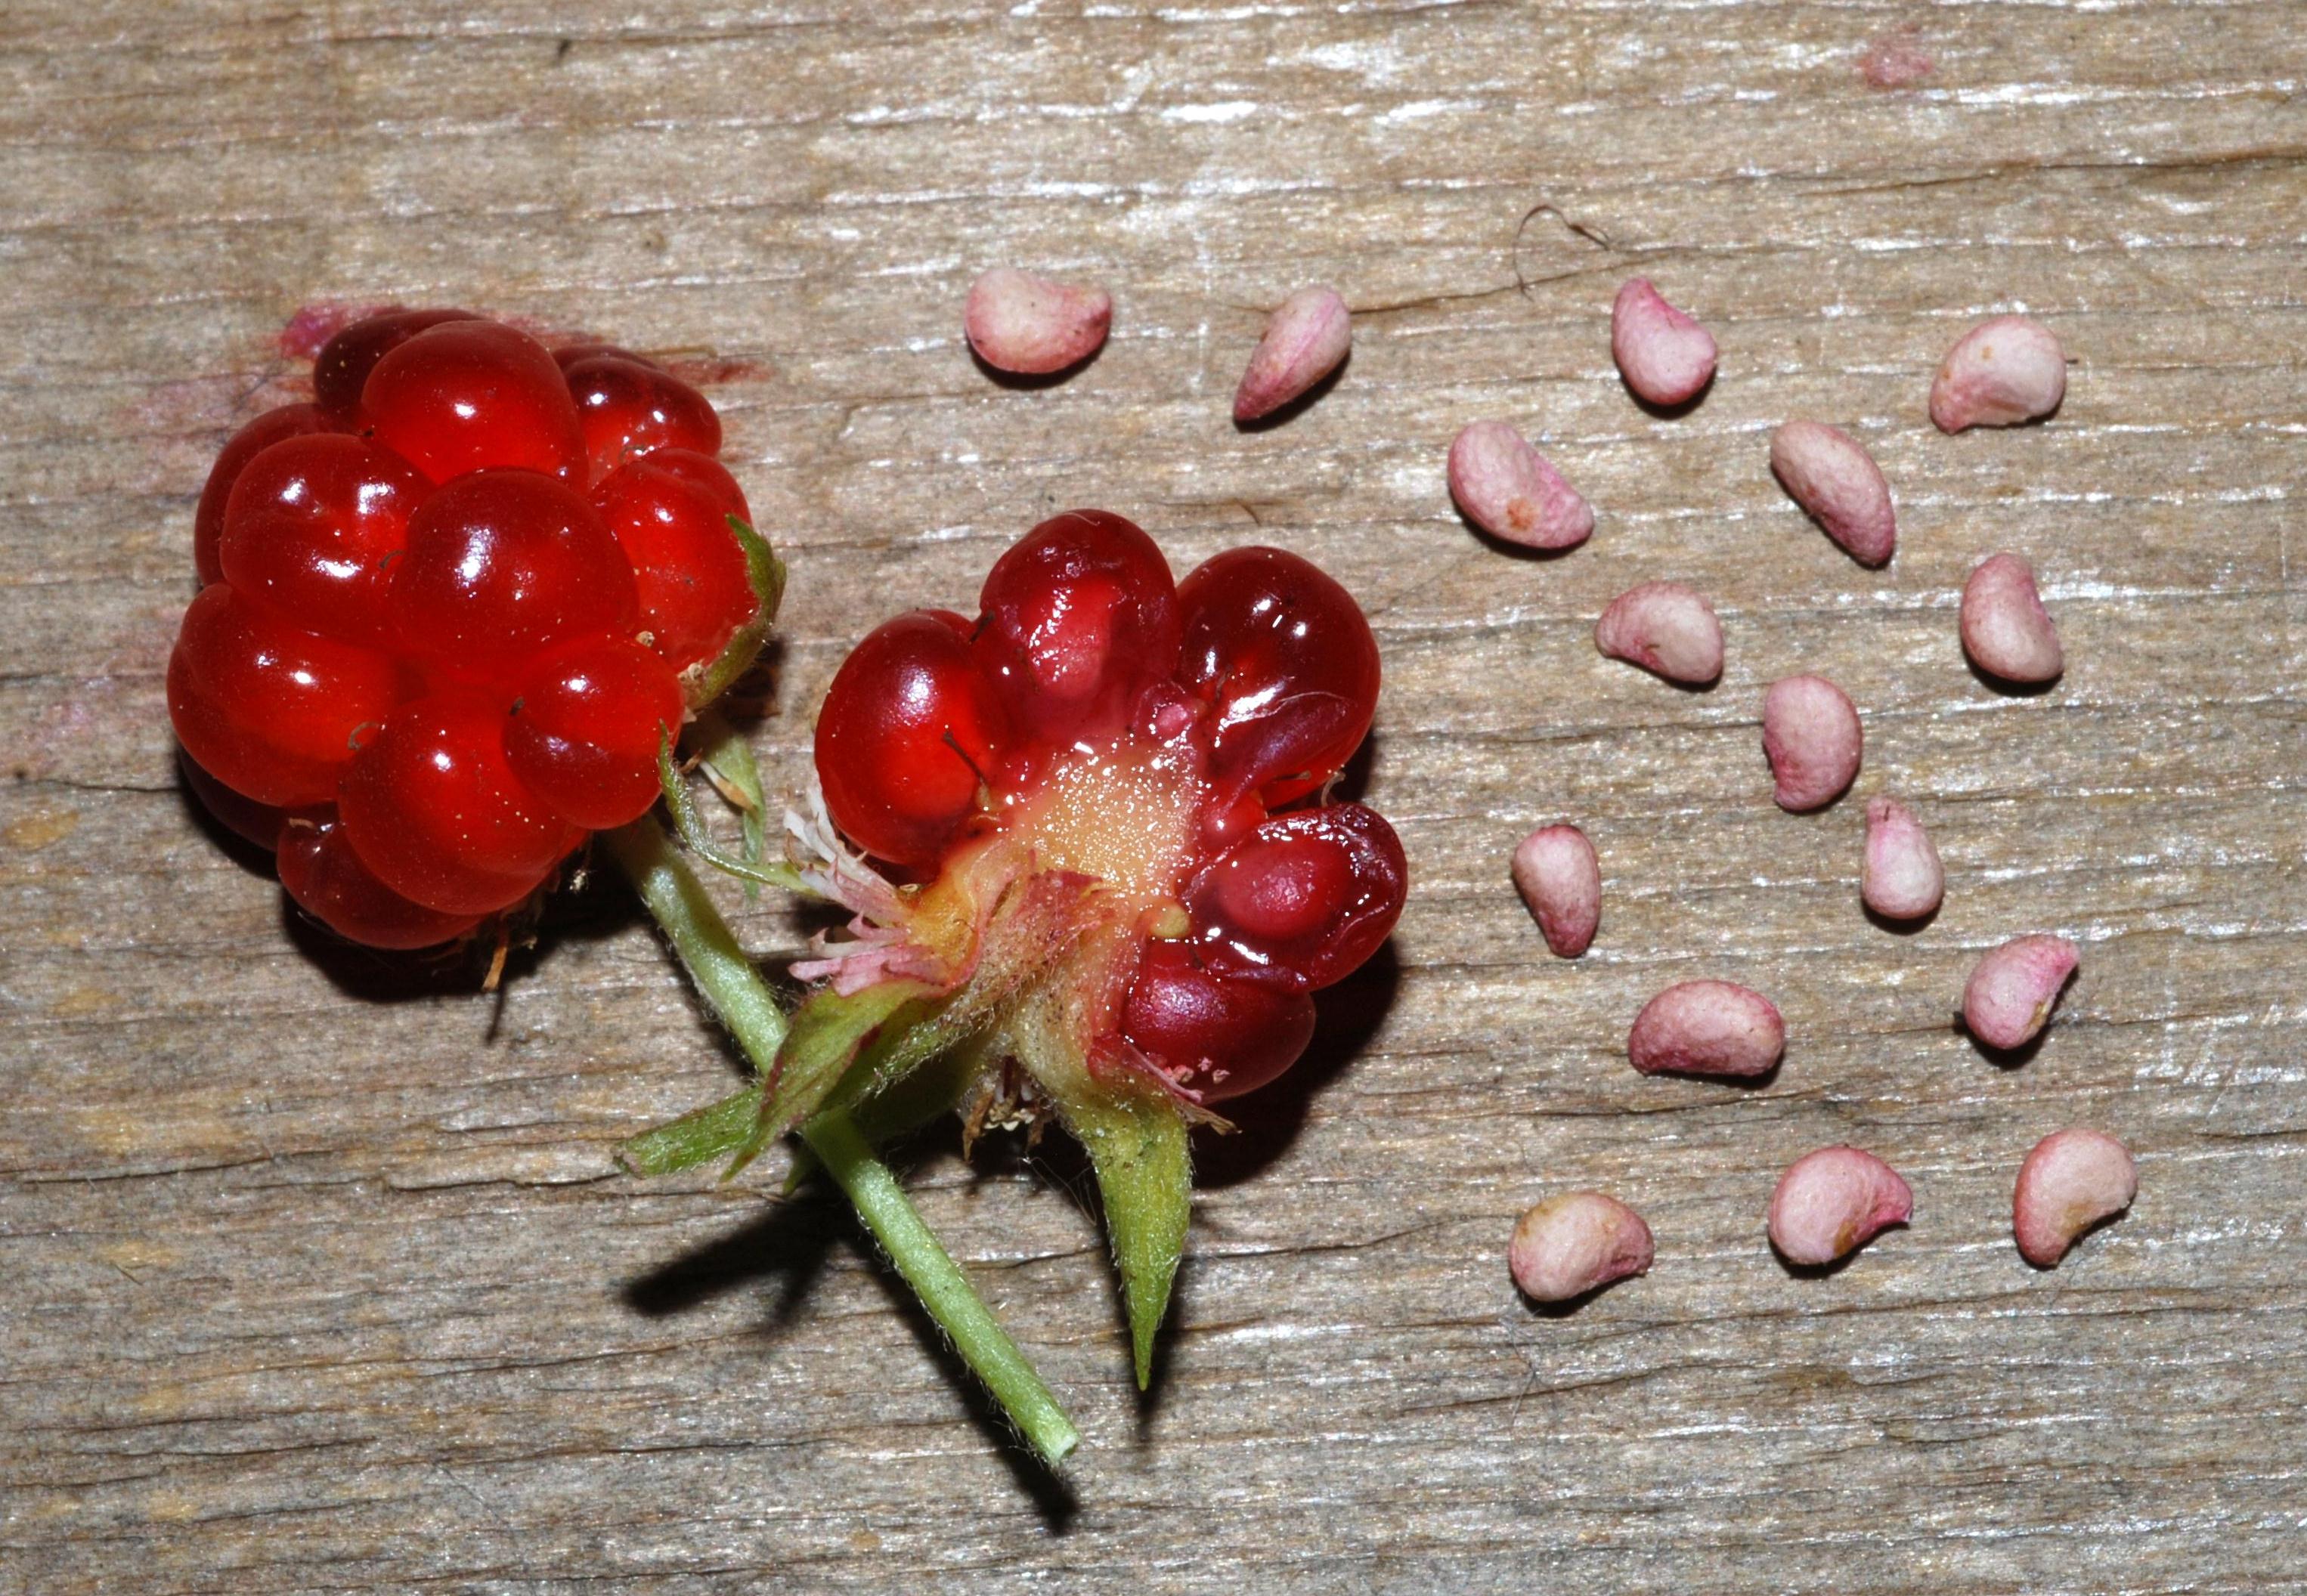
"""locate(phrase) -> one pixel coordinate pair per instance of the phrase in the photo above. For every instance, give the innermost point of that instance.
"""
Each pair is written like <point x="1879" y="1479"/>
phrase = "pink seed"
<point x="1812" y="739"/>
<point x="1555" y="872"/>
<point x="1665" y="357"/>
<point x="1305" y="340"/>
<point x="2011" y="990"/>
<point x="2003" y="372"/>
<point x="1902" y="878"/>
<point x="1507" y="488"/>
<point x="1664" y="628"/>
<point x="2073" y="1179"/>
<point x="1568" y="1245"/>
<point x="1838" y="483"/>
<point x="1832" y="1202"/>
<point x="1032" y="326"/>
<point x="2005" y="630"/>
<point x="1707" y="1028"/>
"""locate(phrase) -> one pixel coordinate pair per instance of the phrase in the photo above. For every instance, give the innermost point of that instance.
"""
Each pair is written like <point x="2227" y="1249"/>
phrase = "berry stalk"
<point x="734" y="989"/>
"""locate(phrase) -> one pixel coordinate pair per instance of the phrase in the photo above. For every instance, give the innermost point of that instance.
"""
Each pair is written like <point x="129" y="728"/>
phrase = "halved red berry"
<point x="289" y="421"/>
<point x="583" y="736"/>
<point x="340" y="371"/>
<point x="1216" y="1036"/>
<point x="313" y="526"/>
<point x="907" y="733"/>
<point x="670" y="513"/>
<point x="500" y="566"/>
<point x="1284" y="654"/>
<point x="434" y="809"/>
<point x="1308" y="896"/>
<point x="266" y="708"/>
<point x="629" y="407"/>
<point x="319" y="870"/>
<point x="1109" y="729"/>
<point x="1080" y="617"/>
<point x="460" y="396"/>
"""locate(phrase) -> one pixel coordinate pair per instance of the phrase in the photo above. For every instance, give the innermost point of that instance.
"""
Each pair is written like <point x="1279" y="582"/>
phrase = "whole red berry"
<point x="341" y="369"/>
<point x="1080" y="617"/>
<point x="409" y="595"/>
<point x="1308" y="895"/>
<point x="319" y="870"/>
<point x="289" y="421"/>
<point x="267" y="709"/>
<point x="1216" y="1036"/>
<point x="566" y="355"/>
<point x="500" y="566"/>
<point x="260" y="823"/>
<point x="906" y="734"/>
<point x="1284" y="655"/>
<point x="434" y="809"/>
<point x="583" y="735"/>
<point x="670" y="513"/>
<point x="313" y="526"/>
<point x="629" y="407"/>
<point x="460" y="396"/>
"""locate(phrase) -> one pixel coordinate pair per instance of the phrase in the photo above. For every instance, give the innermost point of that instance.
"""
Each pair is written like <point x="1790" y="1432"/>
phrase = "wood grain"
<point x="313" y="1274"/>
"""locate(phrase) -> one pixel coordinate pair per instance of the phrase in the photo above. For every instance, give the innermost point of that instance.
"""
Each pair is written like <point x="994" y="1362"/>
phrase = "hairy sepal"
<point x="1127" y="1121"/>
<point x="728" y="763"/>
<point x="830" y="1032"/>
<point x="707" y="679"/>
<point x="696" y="1137"/>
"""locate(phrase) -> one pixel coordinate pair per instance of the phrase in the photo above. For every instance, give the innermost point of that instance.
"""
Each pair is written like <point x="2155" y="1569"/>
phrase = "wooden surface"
<point x="313" y="1274"/>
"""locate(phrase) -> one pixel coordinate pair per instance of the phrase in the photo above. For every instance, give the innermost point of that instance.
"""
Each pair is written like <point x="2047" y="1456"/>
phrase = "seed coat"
<point x="1568" y="1245"/>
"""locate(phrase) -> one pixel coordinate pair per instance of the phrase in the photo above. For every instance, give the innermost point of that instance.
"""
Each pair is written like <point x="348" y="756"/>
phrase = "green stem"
<point x="734" y="989"/>
<point x="944" y="1290"/>
<point x="725" y="978"/>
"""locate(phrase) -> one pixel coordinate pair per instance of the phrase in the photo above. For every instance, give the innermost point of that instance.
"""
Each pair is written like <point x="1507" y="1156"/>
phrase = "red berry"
<point x="629" y="407"/>
<point x="434" y="809"/>
<point x="319" y="870"/>
<point x="260" y="823"/>
<point x="1080" y="617"/>
<point x="1308" y="895"/>
<point x="500" y="566"/>
<point x="313" y="526"/>
<point x="584" y="734"/>
<point x="289" y="421"/>
<point x="1284" y="654"/>
<point x="1218" y="1036"/>
<point x="566" y="355"/>
<point x="907" y="731"/>
<point x="422" y="534"/>
<point x="340" y="370"/>
<point x="267" y="709"/>
<point x="707" y="474"/>
<point x="465" y="395"/>
<point x="670" y="512"/>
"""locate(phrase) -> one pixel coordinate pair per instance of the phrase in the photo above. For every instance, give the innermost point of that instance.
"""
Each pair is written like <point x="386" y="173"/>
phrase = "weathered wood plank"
<point x="316" y="1276"/>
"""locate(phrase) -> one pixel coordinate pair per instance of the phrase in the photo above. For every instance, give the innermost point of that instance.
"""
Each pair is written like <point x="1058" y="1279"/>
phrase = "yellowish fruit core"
<point x="1125" y="814"/>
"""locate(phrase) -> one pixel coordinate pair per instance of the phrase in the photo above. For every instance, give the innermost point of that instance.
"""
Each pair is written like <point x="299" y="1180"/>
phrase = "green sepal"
<point x="728" y="761"/>
<point x="681" y="803"/>
<point x="829" y="1030"/>
<point x="1136" y="1142"/>
<point x="696" y="1137"/>
<point x="898" y="1108"/>
<point x="704" y="682"/>
<point x="1135" y="1138"/>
